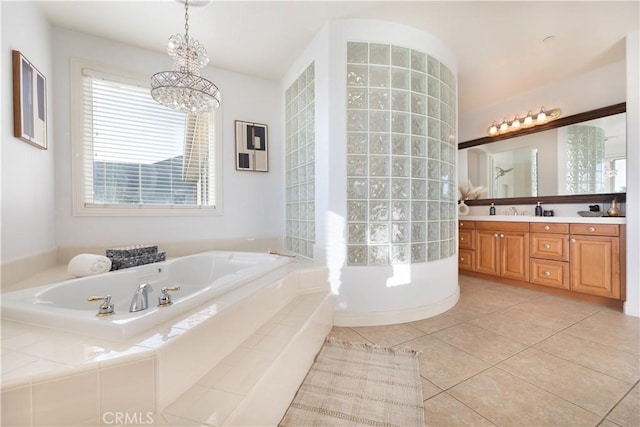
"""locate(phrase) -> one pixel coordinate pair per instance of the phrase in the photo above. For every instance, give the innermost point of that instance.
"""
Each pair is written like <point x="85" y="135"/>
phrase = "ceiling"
<point x="498" y="45"/>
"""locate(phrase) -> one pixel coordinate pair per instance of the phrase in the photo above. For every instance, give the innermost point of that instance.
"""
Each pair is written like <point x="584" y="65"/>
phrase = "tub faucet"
<point x="139" y="301"/>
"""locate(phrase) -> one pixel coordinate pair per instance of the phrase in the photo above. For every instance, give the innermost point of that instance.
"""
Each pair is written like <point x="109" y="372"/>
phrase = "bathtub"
<point x="201" y="277"/>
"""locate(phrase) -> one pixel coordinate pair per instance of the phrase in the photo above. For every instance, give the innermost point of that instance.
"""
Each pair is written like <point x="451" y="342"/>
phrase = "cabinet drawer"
<point x="539" y="227"/>
<point x="466" y="239"/>
<point x="502" y="226"/>
<point x="469" y="225"/>
<point x="466" y="260"/>
<point x="549" y="246"/>
<point x="550" y="273"/>
<point x="595" y="229"/>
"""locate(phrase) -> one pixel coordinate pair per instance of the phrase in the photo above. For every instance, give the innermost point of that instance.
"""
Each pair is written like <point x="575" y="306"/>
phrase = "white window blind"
<point x="138" y="154"/>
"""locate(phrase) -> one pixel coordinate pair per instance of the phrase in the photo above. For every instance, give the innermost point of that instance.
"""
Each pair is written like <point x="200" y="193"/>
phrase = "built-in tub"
<point x="201" y="277"/>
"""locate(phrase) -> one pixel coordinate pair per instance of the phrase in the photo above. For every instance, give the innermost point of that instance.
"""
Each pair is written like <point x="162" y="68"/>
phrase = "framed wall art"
<point x="29" y="102"/>
<point x="252" y="150"/>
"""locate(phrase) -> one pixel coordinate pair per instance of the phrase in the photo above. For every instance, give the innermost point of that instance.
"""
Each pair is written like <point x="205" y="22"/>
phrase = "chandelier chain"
<point x="186" y="19"/>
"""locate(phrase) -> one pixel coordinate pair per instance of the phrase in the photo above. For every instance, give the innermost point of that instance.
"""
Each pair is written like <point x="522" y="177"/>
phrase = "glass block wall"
<point x="585" y="159"/>
<point x="300" y="164"/>
<point x="401" y="195"/>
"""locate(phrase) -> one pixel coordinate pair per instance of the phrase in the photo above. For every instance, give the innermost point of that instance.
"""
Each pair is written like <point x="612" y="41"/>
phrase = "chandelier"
<point x="183" y="88"/>
<point x="530" y="120"/>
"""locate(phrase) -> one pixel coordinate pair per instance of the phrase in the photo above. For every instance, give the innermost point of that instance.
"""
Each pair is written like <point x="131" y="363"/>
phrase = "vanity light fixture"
<point x="183" y="88"/>
<point x="530" y="120"/>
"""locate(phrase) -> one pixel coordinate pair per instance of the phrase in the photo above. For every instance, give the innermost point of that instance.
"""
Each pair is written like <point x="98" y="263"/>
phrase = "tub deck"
<point x="53" y="377"/>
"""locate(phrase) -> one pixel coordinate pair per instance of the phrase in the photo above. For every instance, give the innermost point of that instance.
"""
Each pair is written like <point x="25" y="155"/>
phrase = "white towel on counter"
<point x="88" y="265"/>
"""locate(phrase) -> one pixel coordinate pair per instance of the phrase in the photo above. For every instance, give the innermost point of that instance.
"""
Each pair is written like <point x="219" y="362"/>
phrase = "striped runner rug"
<point x="357" y="384"/>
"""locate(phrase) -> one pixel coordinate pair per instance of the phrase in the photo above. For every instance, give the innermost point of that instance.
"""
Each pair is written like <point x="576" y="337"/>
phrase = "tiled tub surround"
<point x="57" y="378"/>
<point x="401" y="156"/>
<point x="300" y="164"/>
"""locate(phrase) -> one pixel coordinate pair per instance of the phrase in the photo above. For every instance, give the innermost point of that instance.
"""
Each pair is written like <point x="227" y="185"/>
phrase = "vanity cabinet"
<point x="575" y="257"/>
<point x="502" y="249"/>
<point x="595" y="259"/>
<point x="466" y="245"/>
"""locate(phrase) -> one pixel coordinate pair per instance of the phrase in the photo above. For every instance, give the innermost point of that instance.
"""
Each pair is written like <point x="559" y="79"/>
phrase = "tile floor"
<point x="508" y="356"/>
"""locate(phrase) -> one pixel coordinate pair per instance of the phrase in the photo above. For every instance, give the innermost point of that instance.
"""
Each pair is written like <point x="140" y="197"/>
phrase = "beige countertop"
<point x="525" y="218"/>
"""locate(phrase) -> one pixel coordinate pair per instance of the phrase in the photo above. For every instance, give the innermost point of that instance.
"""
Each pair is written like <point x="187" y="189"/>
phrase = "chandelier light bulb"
<point x="515" y="124"/>
<point x="493" y="130"/>
<point x="528" y="120"/>
<point x="504" y="126"/>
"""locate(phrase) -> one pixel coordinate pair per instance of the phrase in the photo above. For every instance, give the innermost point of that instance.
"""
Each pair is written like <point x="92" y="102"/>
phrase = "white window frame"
<point x="78" y="154"/>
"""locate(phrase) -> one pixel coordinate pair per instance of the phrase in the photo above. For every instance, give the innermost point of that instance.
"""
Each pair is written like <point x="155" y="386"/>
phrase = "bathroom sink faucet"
<point x="513" y="210"/>
<point x="140" y="300"/>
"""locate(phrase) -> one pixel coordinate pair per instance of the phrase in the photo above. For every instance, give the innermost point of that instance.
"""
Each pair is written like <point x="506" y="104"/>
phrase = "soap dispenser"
<point x="492" y="210"/>
<point x="539" y="209"/>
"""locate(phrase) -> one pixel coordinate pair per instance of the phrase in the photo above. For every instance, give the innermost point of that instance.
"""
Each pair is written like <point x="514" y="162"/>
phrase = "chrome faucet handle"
<point x="165" y="298"/>
<point x="106" y="308"/>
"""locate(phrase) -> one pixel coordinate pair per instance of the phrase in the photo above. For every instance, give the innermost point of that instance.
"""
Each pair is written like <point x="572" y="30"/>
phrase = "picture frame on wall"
<point x="29" y="102"/>
<point x="252" y="148"/>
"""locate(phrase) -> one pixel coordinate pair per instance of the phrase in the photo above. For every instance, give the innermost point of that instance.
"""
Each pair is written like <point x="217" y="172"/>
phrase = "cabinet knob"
<point x="501" y="236"/>
<point x="546" y="273"/>
<point x="547" y="228"/>
<point x="462" y="224"/>
<point x="461" y="258"/>
<point x="546" y="246"/>
<point x="461" y="238"/>
<point x="495" y="235"/>
<point x="573" y="240"/>
<point x="592" y="229"/>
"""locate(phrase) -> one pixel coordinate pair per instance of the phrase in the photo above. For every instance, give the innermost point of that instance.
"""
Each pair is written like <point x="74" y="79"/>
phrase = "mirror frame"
<point x="562" y="121"/>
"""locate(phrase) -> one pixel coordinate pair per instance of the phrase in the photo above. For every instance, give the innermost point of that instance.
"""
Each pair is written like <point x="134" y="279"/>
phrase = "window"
<point x="135" y="157"/>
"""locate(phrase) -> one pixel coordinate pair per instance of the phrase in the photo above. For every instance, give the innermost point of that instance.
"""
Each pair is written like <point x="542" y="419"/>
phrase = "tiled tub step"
<point x="256" y="382"/>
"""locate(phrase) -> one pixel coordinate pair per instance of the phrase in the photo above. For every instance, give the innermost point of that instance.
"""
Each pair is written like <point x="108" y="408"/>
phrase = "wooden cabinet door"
<point x="487" y="252"/>
<point x="465" y="238"/>
<point x="465" y="260"/>
<point x="550" y="246"/>
<point x="595" y="265"/>
<point x="514" y="255"/>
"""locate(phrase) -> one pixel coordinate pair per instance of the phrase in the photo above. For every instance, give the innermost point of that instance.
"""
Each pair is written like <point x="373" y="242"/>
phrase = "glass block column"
<point x="400" y="156"/>
<point x="585" y="159"/>
<point x="300" y="164"/>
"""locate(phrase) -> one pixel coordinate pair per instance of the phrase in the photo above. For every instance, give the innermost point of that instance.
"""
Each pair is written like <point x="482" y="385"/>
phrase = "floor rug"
<point x="357" y="384"/>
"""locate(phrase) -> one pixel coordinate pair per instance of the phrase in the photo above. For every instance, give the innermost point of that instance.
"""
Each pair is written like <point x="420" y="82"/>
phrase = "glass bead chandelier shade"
<point x="183" y="88"/>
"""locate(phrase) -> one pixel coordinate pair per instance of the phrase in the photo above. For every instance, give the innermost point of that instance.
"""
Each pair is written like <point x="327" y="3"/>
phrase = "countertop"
<point x="525" y="218"/>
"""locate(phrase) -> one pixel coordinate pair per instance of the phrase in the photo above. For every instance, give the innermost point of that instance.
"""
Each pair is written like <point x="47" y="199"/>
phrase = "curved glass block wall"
<point x="401" y="194"/>
<point x="300" y="164"/>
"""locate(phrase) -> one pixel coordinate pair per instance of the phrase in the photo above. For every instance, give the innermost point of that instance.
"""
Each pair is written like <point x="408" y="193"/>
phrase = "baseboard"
<point x="378" y="318"/>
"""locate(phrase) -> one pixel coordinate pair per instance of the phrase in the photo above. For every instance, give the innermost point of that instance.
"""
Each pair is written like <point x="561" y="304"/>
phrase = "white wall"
<point x="28" y="185"/>
<point x="599" y="88"/>
<point x="253" y="203"/>
<point x="632" y="306"/>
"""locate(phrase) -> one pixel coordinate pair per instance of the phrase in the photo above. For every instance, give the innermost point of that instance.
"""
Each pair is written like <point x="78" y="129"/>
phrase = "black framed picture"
<point x="252" y="150"/>
<point x="29" y="102"/>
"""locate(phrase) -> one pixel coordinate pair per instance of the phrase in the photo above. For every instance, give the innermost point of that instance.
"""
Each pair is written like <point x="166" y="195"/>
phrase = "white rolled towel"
<point x="88" y="265"/>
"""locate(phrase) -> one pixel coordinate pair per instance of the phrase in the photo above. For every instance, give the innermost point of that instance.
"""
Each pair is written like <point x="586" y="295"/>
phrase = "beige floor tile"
<point x="346" y="334"/>
<point x="627" y="413"/>
<point x="619" y="364"/>
<point x="507" y="400"/>
<point x="389" y="335"/>
<point x="429" y="389"/>
<point x="607" y="423"/>
<point x="434" y="324"/>
<point x="443" y="364"/>
<point x="443" y="410"/>
<point x="551" y="315"/>
<point x="483" y="344"/>
<point x="510" y="326"/>
<point x="610" y="328"/>
<point x="585" y="387"/>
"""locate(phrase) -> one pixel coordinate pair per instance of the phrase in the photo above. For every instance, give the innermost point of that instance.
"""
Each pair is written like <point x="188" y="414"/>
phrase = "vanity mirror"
<point x="575" y="159"/>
